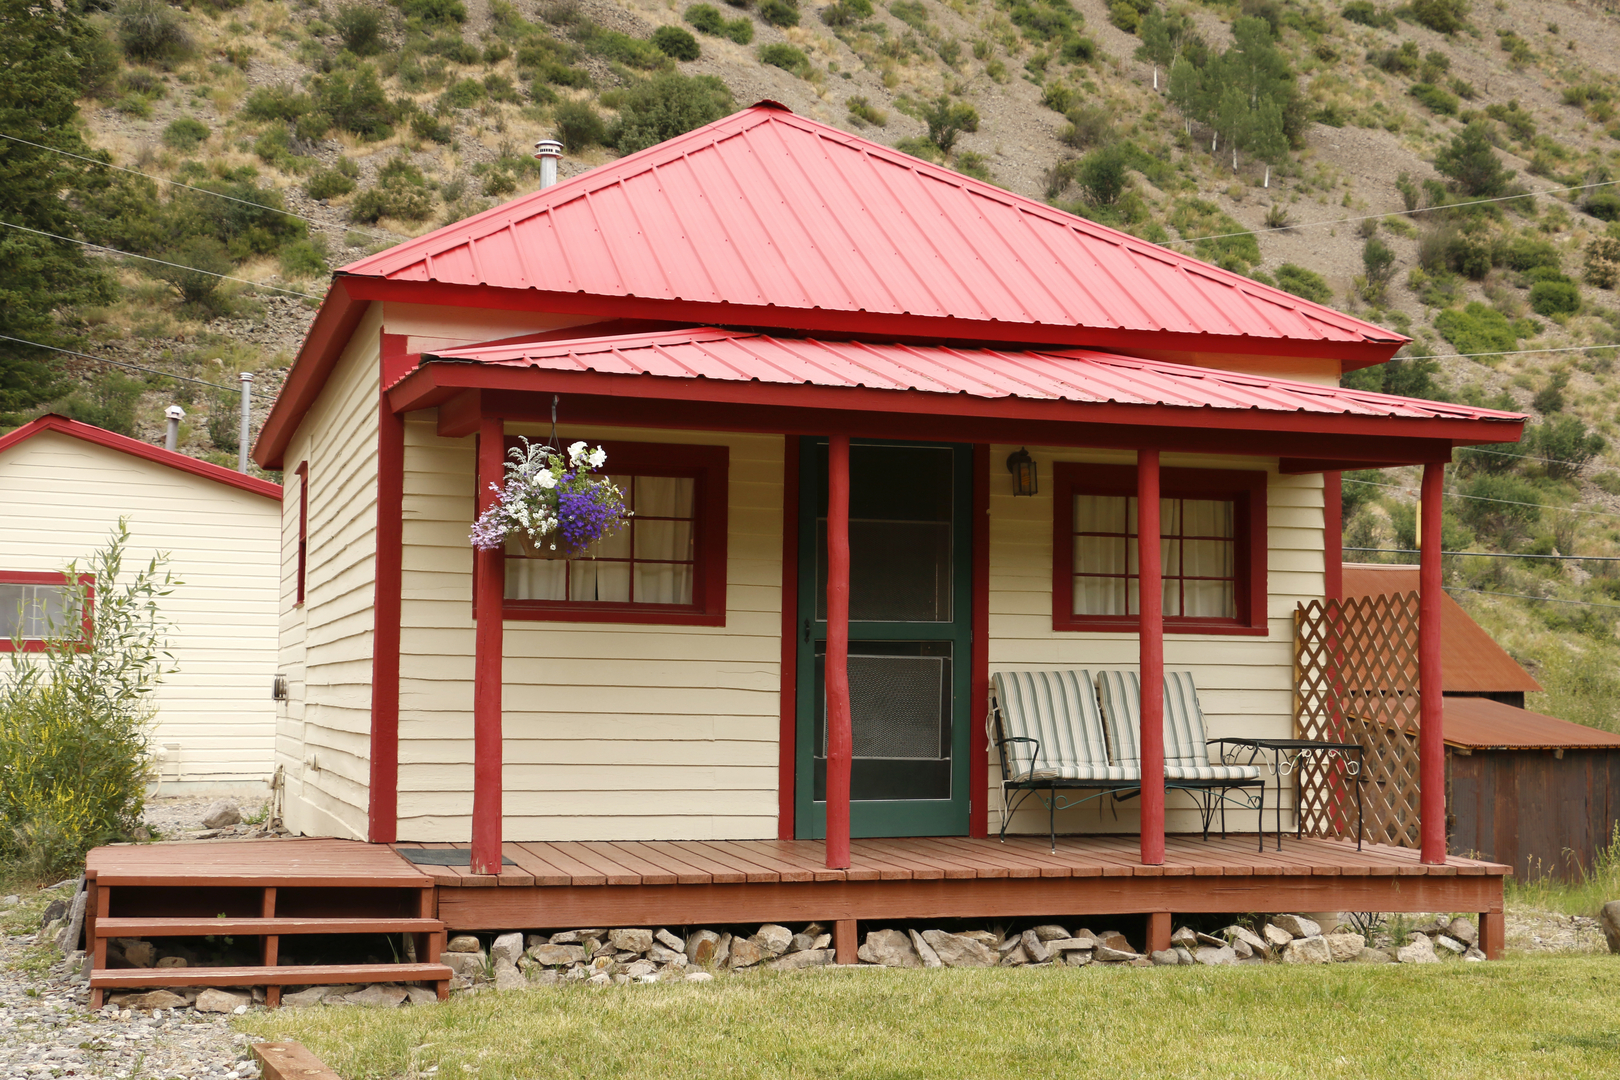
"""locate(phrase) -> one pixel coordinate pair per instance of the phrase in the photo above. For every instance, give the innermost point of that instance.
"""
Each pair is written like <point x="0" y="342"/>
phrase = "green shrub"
<point x="500" y="88"/>
<point x="782" y="13"/>
<point x="1368" y="14"/>
<point x="631" y="51"/>
<point x="1089" y="125"/>
<point x="303" y="259"/>
<point x="1078" y="50"/>
<point x="1124" y="15"/>
<point x="1477" y="329"/>
<point x="275" y="148"/>
<point x="1471" y="163"/>
<point x="947" y="121"/>
<point x="846" y="12"/>
<point x="392" y="198"/>
<point x="1605" y="206"/>
<point x="1304" y="283"/>
<point x="452" y="46"/>
<point x="785" y="56"/>
<point x="1502" y="507"/>
<point x="1404" y="60"/>
<point x="1101" y="174"/>
<point x="277" y="103"/>
<point x="706" y="18"/>
<point x="108" y="402"/>
<point x="1555" y="297"/>
<point x="1402" y="376"/>
<point x="666" y="106"/>
<point x="432" y="13"/>
<point x="356" y="102"/>
<point x="1198" y="218"/>
<point x="1526" y="253"/>
<point x="185" y="134"/>
<point x="360" y="28"/>
<point x="1602" y="262"/>
<point x="462" y="95"/>
<point x="1442" y="16"/>
<point x="1565" y="445"/>
<point x="863" y="112"/>
<point x="1059" y="97"/>
<point x="427" y="126"/>
<point x="75" y="718"/>
<point x="199" y="264"/>
<point x="676" y="43"/>
<point x="1437" y="100"/>
<point x="152" y="32"/>
<point x="329" y="183"/>
<point x="740" y="31"/>
<point x="578" y="126"/>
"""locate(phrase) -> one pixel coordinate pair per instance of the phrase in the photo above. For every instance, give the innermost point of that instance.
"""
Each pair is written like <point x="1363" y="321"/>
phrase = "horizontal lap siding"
<point x="1245" y="683"/>
<point x="612" y="731"/>
<point x="326" y="728"/>
<point x="63" y="496"/>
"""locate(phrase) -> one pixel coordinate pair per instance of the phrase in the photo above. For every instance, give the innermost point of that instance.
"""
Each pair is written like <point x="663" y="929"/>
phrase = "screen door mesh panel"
<point x="896" y="707"/>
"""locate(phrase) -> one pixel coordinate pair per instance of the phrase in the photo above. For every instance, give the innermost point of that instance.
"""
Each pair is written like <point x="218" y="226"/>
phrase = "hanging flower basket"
<point x="552" y="506"/>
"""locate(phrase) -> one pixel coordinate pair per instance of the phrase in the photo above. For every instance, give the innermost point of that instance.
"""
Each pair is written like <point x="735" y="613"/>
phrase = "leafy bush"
<point x="676" y="43"/>
<point x="706" y="18"/>
<point x="1403" y="376"/>
<point x="611" y="45"/>
<point x="578" y="126"/>
<point x="1603" y="262"/>
<point x="1125" y="15"/>
<point x="151" y="32"/>
<point x="199" y="264"/>
<point x="1089" y="125"/>
<point x="1059" y="97"/>
<point x="1441" y="16"/>
<point x="185" y="134"/>
<point x="433" y="13"/>
<point x="1555" y="297"/>
<point x="947" y="121"/>
<point x="1605" y="206"/>
<point x="1565" y="444"/>
<point x="303" y="259"/>
<point x="1526" y="253"/>
<point x="277" y="103"/>
<point x="1404" y="60"/>
<point x="1368" y="14"/>
<point x="1307" y="284"/>
<point x="1198" y="218"/>
<point x="108" y="402"/>
<point x="401" y="192"/>
<point x="863" y="112"/>
<point x="1503" y="507"/>
<point x="462" y="95"/>
<point x="74" y="718"/>
<point x="740" y="31"/>
<point x="1101" y="174"/>
<point x="785" y="56"/>
<point x="1438" y="100"/>
<point x="666" y="106"/>
<point x="355" y="101"/>
<point x="330" y="183"/>
<point x="846" y="12"/>
<point x="360" y="28"/>
<point x="1477" y="329"/>
<point x="783" y="13"/>
<point x="1471" y="163"/>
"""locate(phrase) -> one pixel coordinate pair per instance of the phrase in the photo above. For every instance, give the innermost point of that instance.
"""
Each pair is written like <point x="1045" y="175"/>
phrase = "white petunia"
<point x="596" y="457"/>
<point x="576" y="451"/>
<point x="545" y="480"/>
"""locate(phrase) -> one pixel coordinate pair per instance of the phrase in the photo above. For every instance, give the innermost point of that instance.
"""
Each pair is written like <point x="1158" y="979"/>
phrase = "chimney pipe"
<point x="175" y="413"/>
<point x="245" y="436"/>
<point x="548" y="151"/>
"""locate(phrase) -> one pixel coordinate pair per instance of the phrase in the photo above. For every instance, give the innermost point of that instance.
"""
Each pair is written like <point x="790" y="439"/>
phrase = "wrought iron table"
<point x="1288" y="755"/>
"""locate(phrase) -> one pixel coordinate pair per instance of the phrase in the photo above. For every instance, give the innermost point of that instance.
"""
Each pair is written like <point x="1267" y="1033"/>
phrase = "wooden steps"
<point x="263" y="890"/>
<point x="288" y="975"/>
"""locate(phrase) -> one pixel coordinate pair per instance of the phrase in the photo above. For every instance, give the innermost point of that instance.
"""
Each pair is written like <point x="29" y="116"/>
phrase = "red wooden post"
<point x="840" y="738"/>
<point x="1431" y="734"/>
<point x="1150" y="634"/>
<point x="1333" y="535"/>
<point x="490" y="591"/>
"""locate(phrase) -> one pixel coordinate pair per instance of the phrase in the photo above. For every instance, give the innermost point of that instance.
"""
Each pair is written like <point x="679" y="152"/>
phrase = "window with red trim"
<point x="302" y="472"/>
<point x="667" y="565"/>
<point x="1212" y="549"/>
<point x="35" y="605"/>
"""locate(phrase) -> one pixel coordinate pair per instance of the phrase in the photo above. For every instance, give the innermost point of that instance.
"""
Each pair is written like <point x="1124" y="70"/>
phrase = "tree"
<point x="47" y="46"/>
<point x="665" y="106"/>
<point x="947" y="121"/>
<point x="1164" y="34"/>
<point x="1565" y="444"/>
<point x="1247" y="94"/>
<point x="1471" y="163"/>
<point x="1102" y="174"/>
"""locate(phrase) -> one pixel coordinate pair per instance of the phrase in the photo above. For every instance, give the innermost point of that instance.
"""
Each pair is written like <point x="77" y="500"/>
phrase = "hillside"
<point x="1339" y="139"/>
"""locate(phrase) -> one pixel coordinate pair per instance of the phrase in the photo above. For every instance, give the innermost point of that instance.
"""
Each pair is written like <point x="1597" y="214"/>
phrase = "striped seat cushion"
<point x="1186" y="755"/>
<point x="1059" y="710"/>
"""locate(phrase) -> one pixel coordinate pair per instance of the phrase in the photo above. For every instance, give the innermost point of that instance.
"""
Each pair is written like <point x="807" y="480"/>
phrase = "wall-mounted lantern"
<point x="1026" y="480"/>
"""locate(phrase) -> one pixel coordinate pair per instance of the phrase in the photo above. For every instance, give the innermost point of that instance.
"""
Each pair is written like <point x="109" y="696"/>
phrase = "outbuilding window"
<point x="1212" y="527"/>
<point x="33" y="606"/>
<point x="667" y="565"/>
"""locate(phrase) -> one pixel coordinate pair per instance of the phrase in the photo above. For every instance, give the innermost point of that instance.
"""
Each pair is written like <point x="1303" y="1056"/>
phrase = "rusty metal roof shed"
<point x="1482" y="724"/>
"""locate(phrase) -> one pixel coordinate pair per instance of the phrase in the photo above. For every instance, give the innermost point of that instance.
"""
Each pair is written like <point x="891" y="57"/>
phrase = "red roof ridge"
<point x="124" y="444"/>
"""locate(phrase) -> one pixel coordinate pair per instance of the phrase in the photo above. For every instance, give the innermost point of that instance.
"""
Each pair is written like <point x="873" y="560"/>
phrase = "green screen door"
<point x="909" y="638"/>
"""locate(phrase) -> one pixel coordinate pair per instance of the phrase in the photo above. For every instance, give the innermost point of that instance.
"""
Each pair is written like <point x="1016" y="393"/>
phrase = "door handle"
<point x="807" y="631"/>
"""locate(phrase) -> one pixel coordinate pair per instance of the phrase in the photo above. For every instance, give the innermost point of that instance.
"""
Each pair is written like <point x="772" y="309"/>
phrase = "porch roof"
<point x="758" y="370"/>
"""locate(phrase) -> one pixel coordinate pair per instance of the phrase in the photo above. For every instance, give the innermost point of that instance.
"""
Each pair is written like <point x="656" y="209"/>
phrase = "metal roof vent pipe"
<point x="548" y="151"/>
<point x="171" y="440"/>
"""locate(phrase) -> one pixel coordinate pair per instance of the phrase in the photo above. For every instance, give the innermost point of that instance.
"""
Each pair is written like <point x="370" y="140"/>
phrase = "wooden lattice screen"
<point x="1356" y="680"/>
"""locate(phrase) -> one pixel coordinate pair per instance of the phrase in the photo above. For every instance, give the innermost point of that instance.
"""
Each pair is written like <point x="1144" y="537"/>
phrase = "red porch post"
<point x="840" y="739"/>
<point x="1150" y="635"/>
<point x="1333" y="535"/>
<point x="490" y="590"/>
<point x="1431" y="734"/>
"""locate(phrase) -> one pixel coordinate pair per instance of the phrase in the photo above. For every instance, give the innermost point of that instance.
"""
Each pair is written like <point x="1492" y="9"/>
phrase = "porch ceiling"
<point x="755" y="381"/>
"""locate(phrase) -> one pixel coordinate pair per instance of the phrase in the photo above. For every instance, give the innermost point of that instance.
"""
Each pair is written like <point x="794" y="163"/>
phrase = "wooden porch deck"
<point x="561" y="885"/>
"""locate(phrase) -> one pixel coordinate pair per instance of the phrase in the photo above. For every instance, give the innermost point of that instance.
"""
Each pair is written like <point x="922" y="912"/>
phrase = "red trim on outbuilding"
<point x="51" y="577"/>
<point x="134" y="447"/>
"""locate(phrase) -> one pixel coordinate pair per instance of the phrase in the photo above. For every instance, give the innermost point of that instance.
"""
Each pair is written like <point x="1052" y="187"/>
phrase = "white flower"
<point x="576" y="451"/>
<point x="545" y="480"/>
<point x="596" y="457"/>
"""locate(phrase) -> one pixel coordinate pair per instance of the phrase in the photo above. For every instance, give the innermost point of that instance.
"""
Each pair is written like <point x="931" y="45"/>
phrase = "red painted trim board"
<point x="488" y="644"/>
<point x="52" y="577"/>
<point x="386" y="607"/>
<point x="979" y="695"/>
<point x="787" y="748"/>
<point x="1150" y="637"/>
<point x="840" y="736"/>
<point x="1333" y="535"/>
<point x="302" y="472"/>
<point x="1431" y="733"/>
<point x="135" y="448"/>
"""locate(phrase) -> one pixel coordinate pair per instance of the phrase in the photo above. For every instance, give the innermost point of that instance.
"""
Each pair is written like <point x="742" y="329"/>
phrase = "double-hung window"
<point x="34" y="606"/>
<point x="667" y="565"/>
<point x="1212" y="549"/>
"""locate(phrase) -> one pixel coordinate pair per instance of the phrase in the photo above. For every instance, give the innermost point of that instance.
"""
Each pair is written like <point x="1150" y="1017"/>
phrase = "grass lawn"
<point x="1523" y="1018"/>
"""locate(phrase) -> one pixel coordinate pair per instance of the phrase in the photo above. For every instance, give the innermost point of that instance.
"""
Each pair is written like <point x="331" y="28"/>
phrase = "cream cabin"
<point x="64" y="486"/>
<point x="884" y="430"/>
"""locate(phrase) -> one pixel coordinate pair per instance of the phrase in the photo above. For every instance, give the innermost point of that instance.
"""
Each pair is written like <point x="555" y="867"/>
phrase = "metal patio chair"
<point x="1186" y="744"/>
<point x="1049" y="736"/>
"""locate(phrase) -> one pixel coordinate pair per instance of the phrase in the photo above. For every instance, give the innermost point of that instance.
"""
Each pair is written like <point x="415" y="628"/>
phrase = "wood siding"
<point x="1533" y="810"/>
<point x="1245" y="683"/>
<point x="63" y="496"/>
<point x="323" y="736"/>
<point x="612" y="730"/>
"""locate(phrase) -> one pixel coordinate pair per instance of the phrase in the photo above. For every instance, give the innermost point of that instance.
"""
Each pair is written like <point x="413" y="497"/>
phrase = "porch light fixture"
<point x="1026" y="480"/>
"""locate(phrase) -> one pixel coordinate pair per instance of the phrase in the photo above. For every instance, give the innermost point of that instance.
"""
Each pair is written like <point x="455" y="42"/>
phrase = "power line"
<point x="1482" y="498"/>
<point x="1395" y="213"/>
<point x="120" y="363"/>
<point x="1527" y="596"/>
<point x="161" y="262"/>
<point x="1510" y="352"/>
<point x="190" y="187"/>
<point x="1494" y="554"/>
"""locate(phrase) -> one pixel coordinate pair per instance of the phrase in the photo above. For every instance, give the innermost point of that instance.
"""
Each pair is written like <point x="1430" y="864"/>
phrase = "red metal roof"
<point x="1483" y="724"/>
<point x="124" y="444"/>
<point x="1079" y="375"/>
<point x="1470" y="660"/>
<point x="767" y="210"/>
